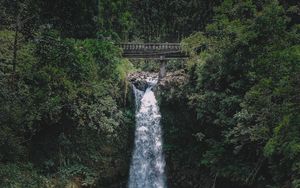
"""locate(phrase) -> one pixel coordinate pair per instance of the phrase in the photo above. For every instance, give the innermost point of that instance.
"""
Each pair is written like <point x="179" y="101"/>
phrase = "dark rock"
<point x="173" y="79"/>
<point x="139" y="79"/>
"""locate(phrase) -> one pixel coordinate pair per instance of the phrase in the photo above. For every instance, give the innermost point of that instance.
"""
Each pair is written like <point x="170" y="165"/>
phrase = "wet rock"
<point x="139" y="79"/>
<point x="173" y="79"/>
<point x="172" y="87"/>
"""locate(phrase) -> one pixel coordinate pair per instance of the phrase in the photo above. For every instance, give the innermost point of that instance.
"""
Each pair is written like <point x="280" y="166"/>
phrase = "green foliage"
<point x="171" y="20"/>
<point x="78" y="171"/>
<point x="17" y="176"/>
<point x="64" y="114"/>
<point x="64" y="110"/>
<point x="75" y="19"/>
<point x="64" y="118"/>
<point x="244" y="91"/>
<point x="115" y="19"/>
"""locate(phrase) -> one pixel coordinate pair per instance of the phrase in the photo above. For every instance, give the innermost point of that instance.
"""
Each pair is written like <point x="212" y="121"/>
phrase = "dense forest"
<point x="67" y="114"/>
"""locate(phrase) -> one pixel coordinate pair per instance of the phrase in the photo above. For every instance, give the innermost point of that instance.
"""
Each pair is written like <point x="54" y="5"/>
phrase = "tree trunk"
<point x="15" y="47"/>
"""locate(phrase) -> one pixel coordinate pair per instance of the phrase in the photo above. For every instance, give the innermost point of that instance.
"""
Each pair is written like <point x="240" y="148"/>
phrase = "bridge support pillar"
<point x="162" y="69"/>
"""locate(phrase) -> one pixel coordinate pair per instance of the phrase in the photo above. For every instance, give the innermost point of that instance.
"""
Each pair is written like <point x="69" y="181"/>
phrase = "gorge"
<point x="82" y="105"/>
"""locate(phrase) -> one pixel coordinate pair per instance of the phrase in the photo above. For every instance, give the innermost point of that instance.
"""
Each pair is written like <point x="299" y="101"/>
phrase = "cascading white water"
<point x="147" y="167"/>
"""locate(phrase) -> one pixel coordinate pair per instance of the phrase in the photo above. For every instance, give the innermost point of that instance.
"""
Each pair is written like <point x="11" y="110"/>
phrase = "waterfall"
<point x="147" y="166"/>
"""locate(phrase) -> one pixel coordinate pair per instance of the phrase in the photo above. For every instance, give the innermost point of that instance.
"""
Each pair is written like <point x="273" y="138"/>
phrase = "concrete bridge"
<point x="157" y="51"/>
<point x="153" y="51"/>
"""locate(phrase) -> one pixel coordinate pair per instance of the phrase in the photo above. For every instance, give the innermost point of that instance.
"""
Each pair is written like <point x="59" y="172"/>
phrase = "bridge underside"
<point x="155" y="56"/>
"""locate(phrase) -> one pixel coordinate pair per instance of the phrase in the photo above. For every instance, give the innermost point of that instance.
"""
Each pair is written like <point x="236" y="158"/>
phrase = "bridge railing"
<point x="150" y="46"/>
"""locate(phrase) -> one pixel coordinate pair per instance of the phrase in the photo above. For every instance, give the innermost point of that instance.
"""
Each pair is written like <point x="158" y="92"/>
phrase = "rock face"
<point x="172" y="79"/>
<point x="138" y="79"/>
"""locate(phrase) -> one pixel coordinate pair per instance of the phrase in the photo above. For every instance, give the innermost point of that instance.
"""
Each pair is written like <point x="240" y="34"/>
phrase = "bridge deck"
<point x="153" y="50"/>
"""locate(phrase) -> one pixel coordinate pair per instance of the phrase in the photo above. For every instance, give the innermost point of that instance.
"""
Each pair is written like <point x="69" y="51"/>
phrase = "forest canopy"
<point x="67" y="114"/>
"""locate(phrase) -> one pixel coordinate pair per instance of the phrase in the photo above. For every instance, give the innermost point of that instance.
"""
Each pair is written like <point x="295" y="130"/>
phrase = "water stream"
<point x="147" y="166"/>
